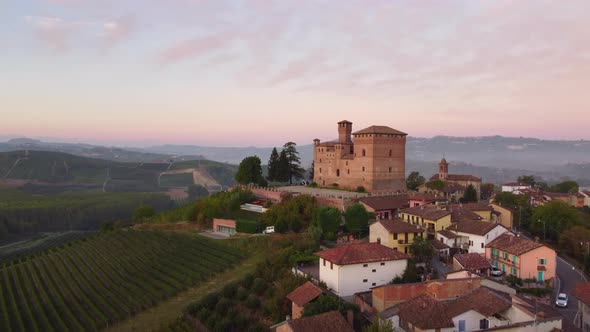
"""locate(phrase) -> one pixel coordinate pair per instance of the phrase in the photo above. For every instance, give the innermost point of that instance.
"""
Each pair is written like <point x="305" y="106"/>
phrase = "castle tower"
<point x="443" y="169"/>
<point x="344" y="132"/>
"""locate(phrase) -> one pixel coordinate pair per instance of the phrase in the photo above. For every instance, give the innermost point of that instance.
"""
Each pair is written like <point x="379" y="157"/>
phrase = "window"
<point x="324" y="262"/>
<point x="471" y="243"/>
<point x="395" y="236"/>
<point x="365" y="280"/>
<point x="482" y="244"/>
<point x="514" y="259"/>
<point x="484" y="324"/>
<point x="364" y="153"/>
<point x="331" y="266"/>
<point x="374" y="284"/>
<point x="320" y="169"/>
<point x="337" y="172"/>
<point x="374" y="270"/>
<point x="382" y="264"/>
<point x="348" y="171"/>
<point x="542" y="261"/>
<point x="390" y="153"/>
<point x="363" y="168"/>
<point x="378" y="240"/>
<point x="365" y="265"/>
<point x="389" y="169"/>
<point x="462" y="325"/>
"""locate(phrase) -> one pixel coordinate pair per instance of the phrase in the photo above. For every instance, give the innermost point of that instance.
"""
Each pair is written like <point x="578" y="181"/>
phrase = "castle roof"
<point x="379" y="130"/>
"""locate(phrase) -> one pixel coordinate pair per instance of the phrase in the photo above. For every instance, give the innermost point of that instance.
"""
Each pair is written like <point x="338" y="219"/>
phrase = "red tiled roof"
<point x="425" y="197"/>
<point x="474" y="207"/>
<point x="360" y="253"/>
<point x="457" y="177"/>
<point x="386" y="202"/>
<point x="379" y="130"/>
<point x="329" y="321"/>
<point x="438" y="245"/>
<point x="513" y="244"/>
<point x="458" y="215"/>
<point x="473" y="227"/>
<point x="582" y="292"/>
<point x="483" y="300"/>
<point x="427" y="212"/>
<point x="472" y="261"/>
<point x="425" y="312"/>
<point x="304" y="294"/>
<point x="448" y="234"/>
<point x="399" y="226"/>
<point x="451" y="187"/>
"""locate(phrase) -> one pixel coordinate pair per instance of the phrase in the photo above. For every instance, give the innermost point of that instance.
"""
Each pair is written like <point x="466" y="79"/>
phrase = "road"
<point x="569" y="277"/>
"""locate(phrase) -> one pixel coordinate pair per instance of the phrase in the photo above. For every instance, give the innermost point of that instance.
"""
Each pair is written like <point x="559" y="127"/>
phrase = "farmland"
<point x="91" y="283"/>
<point x="39" y="244"/>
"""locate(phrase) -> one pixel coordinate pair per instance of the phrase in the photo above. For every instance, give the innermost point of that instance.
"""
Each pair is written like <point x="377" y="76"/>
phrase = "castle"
<point x="375" y="159"/>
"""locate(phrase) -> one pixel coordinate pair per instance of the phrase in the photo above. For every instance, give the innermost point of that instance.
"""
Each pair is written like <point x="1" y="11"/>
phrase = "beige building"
<point x="454" y="184"/>
<point x="373" y="158"/>
<point x="395" y="234"/>
<point x="430" y="218"/>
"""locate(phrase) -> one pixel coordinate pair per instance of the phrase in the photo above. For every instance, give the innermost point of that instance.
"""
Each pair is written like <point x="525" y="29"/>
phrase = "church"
<point x="373" y="158"/>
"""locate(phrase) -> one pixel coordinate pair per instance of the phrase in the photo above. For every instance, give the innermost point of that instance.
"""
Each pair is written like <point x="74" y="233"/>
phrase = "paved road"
<point x="568" y="277"/>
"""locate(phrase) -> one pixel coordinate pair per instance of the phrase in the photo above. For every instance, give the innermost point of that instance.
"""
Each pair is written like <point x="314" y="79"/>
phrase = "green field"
<point x="39" y="244"/>
<point x="176" y="180"/>
<point x="105" y="279"/>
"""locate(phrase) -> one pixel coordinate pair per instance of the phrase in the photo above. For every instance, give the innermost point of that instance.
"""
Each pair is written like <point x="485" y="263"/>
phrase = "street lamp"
<point x="543" y="221"/>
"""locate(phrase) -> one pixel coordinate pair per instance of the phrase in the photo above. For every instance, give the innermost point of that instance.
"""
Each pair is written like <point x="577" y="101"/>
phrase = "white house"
<point x="586" y="194"/>
<point x="358" y="267"/>
<point x="480" y="233"/>
<point x="515" y="187"/>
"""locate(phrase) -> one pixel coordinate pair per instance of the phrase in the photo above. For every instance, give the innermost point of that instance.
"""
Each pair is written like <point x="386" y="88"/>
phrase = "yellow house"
<point x="502" y="215"/>
<point x="484" y="211"/>
<point x="430" y="218"/>
<point x="394" y="234"/>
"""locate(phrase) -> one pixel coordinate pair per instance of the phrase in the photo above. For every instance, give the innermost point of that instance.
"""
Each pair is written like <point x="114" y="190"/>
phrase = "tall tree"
<point x="283" y="168"/>
<point x="329" y="220"/>
<point x="250" y="171"/>
<point x="470" y="195"/>
<point x="437" y="184"/>
<point x="356" y="218"/>
<point x="487" y="190"/>
<point x="551" y="219"/>
<point x="295" y="171"/>
<point x="415" y="180"/>
<point x="565" y="187"/>
<point x="422" y="250"/>
<point x="273" y="166"/>
<point x="528" y="179"/>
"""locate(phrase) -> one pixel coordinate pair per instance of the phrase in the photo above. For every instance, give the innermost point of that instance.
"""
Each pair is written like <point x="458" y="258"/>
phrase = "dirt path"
<point x="200" y="176"/>
<point x="153" y="319"/>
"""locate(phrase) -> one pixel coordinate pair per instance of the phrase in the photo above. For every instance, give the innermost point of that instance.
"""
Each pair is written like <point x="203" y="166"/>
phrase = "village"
<point x="429" y="259"/>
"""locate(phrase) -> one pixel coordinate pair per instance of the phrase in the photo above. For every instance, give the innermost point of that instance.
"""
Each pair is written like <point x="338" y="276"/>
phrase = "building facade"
<point x="373" y="158"/>
<point x="395" y="234"/>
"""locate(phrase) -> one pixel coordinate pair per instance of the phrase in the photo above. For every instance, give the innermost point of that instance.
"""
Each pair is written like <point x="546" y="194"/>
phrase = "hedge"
<point x="246" y="226"/>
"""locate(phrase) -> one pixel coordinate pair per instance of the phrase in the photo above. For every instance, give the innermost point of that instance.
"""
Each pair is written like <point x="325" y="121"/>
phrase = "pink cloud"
<point x="195" y="48"/>
<point x="51" y="31"/>
<point x="117" y="30"/>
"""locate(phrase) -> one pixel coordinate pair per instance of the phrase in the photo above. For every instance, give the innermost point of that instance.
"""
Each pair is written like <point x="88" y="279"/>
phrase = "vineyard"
<point x="39" y="244"/>
<point x="94" y="282"/>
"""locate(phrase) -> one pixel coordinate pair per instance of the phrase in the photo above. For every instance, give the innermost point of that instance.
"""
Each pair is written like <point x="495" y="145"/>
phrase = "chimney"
<point x="350" y="317"/>
<point x="288" y="318"/>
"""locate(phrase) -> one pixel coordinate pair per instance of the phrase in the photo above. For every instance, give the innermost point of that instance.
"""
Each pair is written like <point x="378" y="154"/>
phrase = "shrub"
<point x="203" y="314"/>
<point x="242" y="293"/>
<point x="360" y="189"/>
<point x="313" y="185"/>
<point x="259" y="286"/>
<point x="247" y="281"/>
<point x="252" y="301"/>
<point x="222" y="306"/>
<point x="209" y="301"/>
<point x="229" y="291"/>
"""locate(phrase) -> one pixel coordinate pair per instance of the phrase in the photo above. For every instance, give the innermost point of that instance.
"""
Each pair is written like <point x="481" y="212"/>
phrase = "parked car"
<point x="496" y="272"/>
<point x="269" y="230"/>
<point x="561" y="300"/>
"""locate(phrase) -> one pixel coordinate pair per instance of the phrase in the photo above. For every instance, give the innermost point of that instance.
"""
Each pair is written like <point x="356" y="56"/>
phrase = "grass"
<point x="176" y="180"/>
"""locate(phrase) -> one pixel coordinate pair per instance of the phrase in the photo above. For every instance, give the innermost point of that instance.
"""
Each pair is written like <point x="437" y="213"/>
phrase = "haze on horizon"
<point x="259" y="73"/>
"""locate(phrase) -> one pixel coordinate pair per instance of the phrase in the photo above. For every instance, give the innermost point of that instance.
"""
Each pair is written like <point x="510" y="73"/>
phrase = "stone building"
<point x="454" y="184"/>
<point x="374" y="158"/>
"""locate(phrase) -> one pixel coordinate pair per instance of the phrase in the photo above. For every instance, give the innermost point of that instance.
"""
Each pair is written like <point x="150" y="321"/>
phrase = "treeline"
<point x="21" y="213"/>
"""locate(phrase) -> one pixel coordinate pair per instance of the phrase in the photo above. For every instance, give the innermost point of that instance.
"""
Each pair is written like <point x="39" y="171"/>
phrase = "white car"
<point x="496" y="272"/>
<point x="269" y="230"/>
<point x="561" y="300"/>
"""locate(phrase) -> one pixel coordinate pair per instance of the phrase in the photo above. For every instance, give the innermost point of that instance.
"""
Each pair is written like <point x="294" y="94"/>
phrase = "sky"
<point x="261" y="72"/>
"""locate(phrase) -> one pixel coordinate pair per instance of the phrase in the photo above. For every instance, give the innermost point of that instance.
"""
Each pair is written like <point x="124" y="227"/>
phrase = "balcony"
<point x="402" y="241"/>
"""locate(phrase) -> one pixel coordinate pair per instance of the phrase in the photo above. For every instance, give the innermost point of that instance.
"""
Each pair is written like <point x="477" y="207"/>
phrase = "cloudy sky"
<point x="260" y="72"/>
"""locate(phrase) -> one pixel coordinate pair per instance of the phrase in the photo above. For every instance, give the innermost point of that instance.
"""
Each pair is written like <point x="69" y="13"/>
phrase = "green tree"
<point x="574" y="241"/>
<point x="295" y="171"/>
<point x="379" y="325"/>
<point x="250" y="171"/>
<point x="414" y="181"/>
<point x="323" y="304"/>
<point x="411" y="273"/>
<point x="143" y="212"/>
<point x="283" y="167"/>
<point x="329" y="219"/>
<point x="196" y="191"/>
<point x="487" y="190"/>
<point x="565" y="187"/>
<point x="528" y="179"/>
<point x="273" y="166"/>
<point x="356" y="218"/>
<point x="470" y="195"/>
<point x="437" y="184"/>
<point x="551" y="219"/>
<point x="311" y="171"/>
<point x="422" y="250"/>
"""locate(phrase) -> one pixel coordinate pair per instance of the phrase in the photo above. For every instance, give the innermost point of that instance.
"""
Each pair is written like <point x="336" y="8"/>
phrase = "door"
<point x="540" y="276"/>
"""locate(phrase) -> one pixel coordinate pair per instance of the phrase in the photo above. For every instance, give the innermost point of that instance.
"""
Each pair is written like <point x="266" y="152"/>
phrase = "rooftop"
<point x="513" y="244"/>
<point x="438" y="245"/>
<point x="472" y="261"/>
<point x="457" y="177"/>
<point x="427" y="212"/>
<point x="582" y="292"/>
<point x="473" y="206"/>
<point x="473" y="227"/>
<point x="379" y="130"/>
<point x="304" y="294"/>
<point x="358" y="253"/>
<point x="517" y="184"/>
<point x="399" y="226"/>
<point x="448" y="234"/>
<point x="386" y="202"/>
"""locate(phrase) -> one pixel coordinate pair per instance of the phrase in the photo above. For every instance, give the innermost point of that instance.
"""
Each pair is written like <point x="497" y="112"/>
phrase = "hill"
<point x="91" y="283"/>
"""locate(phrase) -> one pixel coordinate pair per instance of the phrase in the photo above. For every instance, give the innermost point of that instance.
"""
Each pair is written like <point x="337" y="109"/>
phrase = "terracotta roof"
<point x="473" y="227"/>
<point x="582" y="292"/>
<point x="556" y="195"/>
<point x="358" y="253"/>
<point x="379" y="130"/>
<point x="513" y="244"/>
<point x="386" y="202"/>
<point x="438" y="245"/>
<point x="483" y="300"/>
<point x="425" y="312"/>
<point x="427" y="212"/>
<point x="329" y="321"/>
<point x="458" y="215"/>
<point x="517" y="184"/>
<point x="304" y="294"/>
<point x="457" y="177"/>
<point x="425" y="197"/>
<point x="474" y="207"/>
<point x="399" y="226"/>
<point x="448" y="234"/>
<point x="472" y="261"/>
<point x="451" y="187"/>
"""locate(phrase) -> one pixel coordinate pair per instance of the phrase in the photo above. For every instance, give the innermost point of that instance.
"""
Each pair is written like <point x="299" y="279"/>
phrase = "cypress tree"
<point x="273" y="166"/>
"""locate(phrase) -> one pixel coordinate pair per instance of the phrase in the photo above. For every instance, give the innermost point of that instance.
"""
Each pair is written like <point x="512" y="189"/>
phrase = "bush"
<point x="513" y="280"/>
<point x="222" y="306"/>
<point x="229" y="291"/>
<point x="247" y="281"/>
<point x="209" y="301"/>
<point x="252" y="301"/>
<point x="360" y="189"/>
<point x="242" y="293"/>
<point x="259" y="286"/>
<point x="313" y="185"/>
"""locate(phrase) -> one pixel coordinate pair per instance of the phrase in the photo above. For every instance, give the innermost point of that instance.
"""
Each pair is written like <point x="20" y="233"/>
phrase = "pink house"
<point x="523" y="258"/>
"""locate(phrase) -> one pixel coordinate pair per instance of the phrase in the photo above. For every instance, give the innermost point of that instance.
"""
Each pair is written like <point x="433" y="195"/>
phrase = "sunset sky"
<point x="241" y="73"/>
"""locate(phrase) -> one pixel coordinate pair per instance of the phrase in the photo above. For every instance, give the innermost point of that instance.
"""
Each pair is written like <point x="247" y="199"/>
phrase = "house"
<point x="395" y="234"/>
<point x="515" y="187"/>
<point x="429" y="217"/>
<point x="455" y="184"/>
<point x="480" y="233"/>
<point x="385" y="207"/>
<point x="502" y="215"/>
<point x="358" y="267"/>
<point x="442" y="250"/>
<point x="586" y="194"/>
<point x="471" y="262"/>
<point x="457" y="243"/>
<point x="224" y="226"/>
<point x="484" y="211"/>
<point x="417" y="199"/>
<point x="301" y="296"/>
<point x="582" y="293"/>
<point x="523" y="258"/>
<point x="328" y="321"/>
